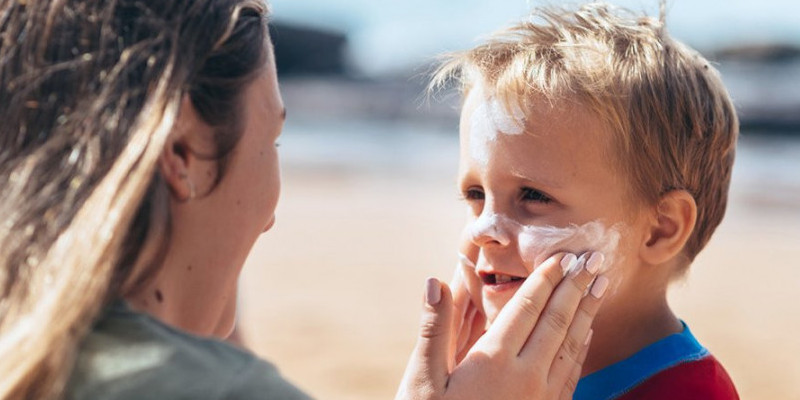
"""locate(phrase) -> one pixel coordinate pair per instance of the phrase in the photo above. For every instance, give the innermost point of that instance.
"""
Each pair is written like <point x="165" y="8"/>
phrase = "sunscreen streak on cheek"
<point x="536" y="243"/>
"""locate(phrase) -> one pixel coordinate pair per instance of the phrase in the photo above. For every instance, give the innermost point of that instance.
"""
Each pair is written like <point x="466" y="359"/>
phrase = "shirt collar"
<point x="617" y="379"/>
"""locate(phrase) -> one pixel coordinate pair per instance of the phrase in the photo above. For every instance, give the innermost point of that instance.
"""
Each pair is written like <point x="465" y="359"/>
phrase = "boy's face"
<point x="522" y="187"/>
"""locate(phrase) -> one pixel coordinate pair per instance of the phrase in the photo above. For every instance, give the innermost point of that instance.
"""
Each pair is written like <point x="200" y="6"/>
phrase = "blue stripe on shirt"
<point x="618" y="379"/>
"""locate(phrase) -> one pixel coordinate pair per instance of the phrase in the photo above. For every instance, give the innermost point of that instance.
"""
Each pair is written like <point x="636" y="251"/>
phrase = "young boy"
<point x="593" y="130"/>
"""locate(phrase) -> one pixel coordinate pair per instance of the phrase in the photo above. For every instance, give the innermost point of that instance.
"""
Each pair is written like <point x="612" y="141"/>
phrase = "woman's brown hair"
<point x="89" y="91"/>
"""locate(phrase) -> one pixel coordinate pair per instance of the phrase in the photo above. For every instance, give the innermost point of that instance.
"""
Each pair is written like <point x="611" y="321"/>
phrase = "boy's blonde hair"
<point x="673" y="121"/>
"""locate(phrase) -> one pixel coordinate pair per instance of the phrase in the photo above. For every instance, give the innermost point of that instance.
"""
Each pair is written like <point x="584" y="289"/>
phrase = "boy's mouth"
<point x="499" y="279"/>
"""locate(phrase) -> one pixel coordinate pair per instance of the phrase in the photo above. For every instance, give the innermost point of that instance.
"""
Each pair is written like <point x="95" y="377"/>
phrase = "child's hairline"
<point x="604" y="112"/>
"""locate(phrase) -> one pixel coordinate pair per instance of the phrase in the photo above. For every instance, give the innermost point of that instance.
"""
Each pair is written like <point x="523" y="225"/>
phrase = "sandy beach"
<point x="332" y="295"/>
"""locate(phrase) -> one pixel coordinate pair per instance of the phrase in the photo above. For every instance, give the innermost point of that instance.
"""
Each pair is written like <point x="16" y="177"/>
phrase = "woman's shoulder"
<point x="129" y="355"/>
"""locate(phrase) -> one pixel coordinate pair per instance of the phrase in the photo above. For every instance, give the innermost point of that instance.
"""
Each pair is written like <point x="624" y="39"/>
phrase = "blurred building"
<point x="301" y="50"/>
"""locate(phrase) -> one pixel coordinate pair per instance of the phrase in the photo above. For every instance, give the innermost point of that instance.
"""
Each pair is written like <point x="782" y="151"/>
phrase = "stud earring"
<point x="192" y="192"/>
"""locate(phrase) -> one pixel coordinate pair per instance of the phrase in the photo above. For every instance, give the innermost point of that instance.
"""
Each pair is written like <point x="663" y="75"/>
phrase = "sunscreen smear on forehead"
<point x="489" y="119"/>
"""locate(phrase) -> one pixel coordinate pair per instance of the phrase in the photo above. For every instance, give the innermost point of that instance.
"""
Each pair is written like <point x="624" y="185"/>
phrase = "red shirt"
<point x="704" y="379"/>
<point x="676" y="367"/>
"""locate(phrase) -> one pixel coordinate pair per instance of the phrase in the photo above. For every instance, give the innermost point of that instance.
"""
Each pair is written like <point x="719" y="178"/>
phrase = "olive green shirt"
<point x="130" y="355"/>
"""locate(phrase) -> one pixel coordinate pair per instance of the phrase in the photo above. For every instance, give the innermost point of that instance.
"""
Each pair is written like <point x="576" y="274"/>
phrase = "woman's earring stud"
<point x="192" y="192"/>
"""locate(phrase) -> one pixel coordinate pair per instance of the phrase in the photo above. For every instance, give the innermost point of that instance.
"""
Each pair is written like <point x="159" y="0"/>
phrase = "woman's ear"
<point x="179" y="164"/>
<point x="670" y="228"/>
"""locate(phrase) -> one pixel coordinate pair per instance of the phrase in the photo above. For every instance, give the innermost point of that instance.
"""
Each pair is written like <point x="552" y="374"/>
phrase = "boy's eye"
<point x="474" y="194"/>
<point x="534" y="195"/>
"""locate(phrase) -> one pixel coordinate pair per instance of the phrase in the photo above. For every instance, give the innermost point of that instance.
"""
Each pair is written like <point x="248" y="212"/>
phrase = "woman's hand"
<point x="533" y="350"/>
<point x="469" y="319"/>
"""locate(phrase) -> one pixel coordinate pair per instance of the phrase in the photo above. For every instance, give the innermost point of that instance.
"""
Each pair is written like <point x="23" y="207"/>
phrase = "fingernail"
<point x="568" y="262"/>
<point x="599" y="287"/>
<point x="588" y="337"/>
<point x="595" y="262"/>
<point x="433" y="291"/>
<point x="579" y="263"/>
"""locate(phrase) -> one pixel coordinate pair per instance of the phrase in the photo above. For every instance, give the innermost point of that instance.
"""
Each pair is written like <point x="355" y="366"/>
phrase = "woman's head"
<point x="90" y="93"/>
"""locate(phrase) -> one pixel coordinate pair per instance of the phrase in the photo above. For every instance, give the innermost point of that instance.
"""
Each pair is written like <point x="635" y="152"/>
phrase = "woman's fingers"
<point x="472" y="331"/>
<point x="468" y="256"/>
<point x="573" y="344"/>
<point x="575" y="375"/>
<point x="512" y="327"/>
<point x="551" y="332"/>
<point x="468" y="248"/>
<point x="461" y="313"/>
<point x="536" y="346"/>
<point x="427" y="370"/>
<point x="470" y="320"/>
<point x="567" y="364"/>
<point x="465" y="331"/>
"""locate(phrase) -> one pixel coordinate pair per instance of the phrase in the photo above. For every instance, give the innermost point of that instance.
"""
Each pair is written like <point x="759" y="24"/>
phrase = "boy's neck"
<point x="620" y="332"/>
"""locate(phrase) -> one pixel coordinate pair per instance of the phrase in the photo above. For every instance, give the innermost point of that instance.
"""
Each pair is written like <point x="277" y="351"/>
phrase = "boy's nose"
<point x="491" y="228"/>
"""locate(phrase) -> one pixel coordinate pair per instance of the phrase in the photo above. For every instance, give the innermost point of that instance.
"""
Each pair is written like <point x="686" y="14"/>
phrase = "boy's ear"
<point x="178" y="163"/>
<point x="671" y="227"/>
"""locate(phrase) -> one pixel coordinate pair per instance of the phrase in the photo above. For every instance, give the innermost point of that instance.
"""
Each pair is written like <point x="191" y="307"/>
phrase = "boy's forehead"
<point x="540" y="115"/>
<point x="558" y="126"/>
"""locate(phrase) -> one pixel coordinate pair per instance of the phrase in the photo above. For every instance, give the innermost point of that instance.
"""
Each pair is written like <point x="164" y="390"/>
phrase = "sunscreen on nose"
<point x="494" y="227"/>
<point x="538" y="242"/>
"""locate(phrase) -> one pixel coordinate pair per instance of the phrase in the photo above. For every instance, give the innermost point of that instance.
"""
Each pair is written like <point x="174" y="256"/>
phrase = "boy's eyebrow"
<point x="539" y="180"/>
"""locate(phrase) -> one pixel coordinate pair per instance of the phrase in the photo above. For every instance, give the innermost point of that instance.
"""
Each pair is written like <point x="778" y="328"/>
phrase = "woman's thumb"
<point x="427" y="370"/>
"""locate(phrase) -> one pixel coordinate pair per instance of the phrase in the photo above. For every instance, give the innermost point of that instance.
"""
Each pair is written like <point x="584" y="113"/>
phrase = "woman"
<point x="137" y="168"/>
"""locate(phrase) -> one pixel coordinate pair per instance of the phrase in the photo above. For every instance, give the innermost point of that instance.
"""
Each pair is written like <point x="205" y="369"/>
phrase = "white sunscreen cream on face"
<point x="491" y="114"/>
<point x="495" y="226"/>
<point x="537" y="243"/>
<point x="489" y="119"/>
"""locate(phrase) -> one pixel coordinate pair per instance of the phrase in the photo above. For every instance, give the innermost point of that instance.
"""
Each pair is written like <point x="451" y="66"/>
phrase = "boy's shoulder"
<point x="676" y="367"/>
<point x="702" y="379"/>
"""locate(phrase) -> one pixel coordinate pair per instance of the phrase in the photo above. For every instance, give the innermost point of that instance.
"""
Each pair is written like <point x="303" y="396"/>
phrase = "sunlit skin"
<point x="559" y="172"/>
<point x="213" y="232"/>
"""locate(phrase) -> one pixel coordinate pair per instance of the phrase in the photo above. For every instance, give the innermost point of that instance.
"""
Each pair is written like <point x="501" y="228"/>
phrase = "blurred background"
<point x="370" y="208"/>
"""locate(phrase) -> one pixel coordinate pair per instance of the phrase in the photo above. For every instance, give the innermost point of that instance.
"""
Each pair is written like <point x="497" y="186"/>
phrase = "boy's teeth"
<point x="497" y="279"/>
